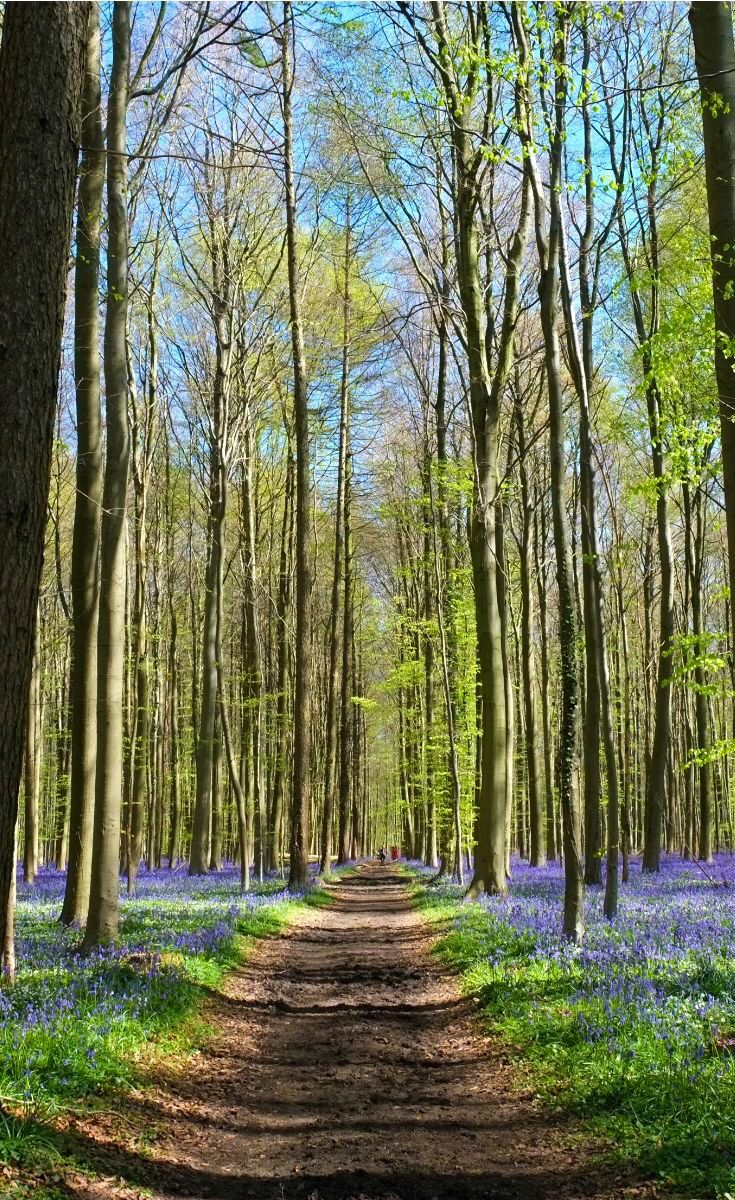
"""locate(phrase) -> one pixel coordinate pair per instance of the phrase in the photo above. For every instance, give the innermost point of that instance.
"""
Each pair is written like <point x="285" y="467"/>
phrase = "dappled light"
<point x="367" y="600"/>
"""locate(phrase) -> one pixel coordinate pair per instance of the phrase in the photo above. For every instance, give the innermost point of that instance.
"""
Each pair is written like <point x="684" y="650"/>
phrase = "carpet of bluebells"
<point x="637" y="1025"/>
<point x="73" y="1025"/>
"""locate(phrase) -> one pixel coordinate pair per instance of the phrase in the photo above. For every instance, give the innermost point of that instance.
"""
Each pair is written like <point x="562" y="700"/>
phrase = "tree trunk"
<point x="549" y="243"/>
<point x="253" y="661"/>
<point x="428" y="648"/>
<point x="301" y="796"/>
<point x="503" y="609"/>
<point x="283" y="608"/>
<point x="346" y="714"/>
<point x="540" y="543"/>
<point x="598" y="718"/>
<point x="102" y="924"/>
<point x="714" y="50"/>
<point x="32" y="767"/>
<point x="41" y="76"/>
<point x="211" y="646"/>
<point x="332" y="680"/>
<point x="656" y="788"/>
<point x="535" y="801"/>
<point x="88" y="503"/>
<point x="201" y="830"/>
<point x="485" y="396"/>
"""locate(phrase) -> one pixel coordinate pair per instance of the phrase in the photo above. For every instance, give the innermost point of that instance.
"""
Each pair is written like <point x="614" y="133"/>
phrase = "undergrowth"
<point x="75" y="1030"/>
<point x="635" y="1031"/>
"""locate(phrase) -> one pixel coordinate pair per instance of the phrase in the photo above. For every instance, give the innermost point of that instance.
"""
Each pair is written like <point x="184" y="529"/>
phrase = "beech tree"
<point x="41" y="77"/>
<point x="405" y="524"/>
<point x="714" y="45"/>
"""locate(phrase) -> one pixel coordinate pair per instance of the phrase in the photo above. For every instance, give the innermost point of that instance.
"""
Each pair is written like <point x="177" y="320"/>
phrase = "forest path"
<point x="346" y="1066"/>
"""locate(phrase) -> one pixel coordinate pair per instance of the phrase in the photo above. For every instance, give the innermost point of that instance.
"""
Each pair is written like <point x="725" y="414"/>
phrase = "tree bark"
<point x="485" y="390"/>
<point x="528" y="657"/>
<point x="102" y="924"/>
<point x="32" y="768"/>
<point x="714" y="51"/>
<point x="41" y="77"/>
<point x="254" y="655"/>
<point x="549" y="244"/>
<point x="88" y="502"/>
<point x="283" y="609"/>
<point x="346" y="713"/>
<point x="301" y="796"/>
<point x="332" y="680"/>
<point x="220" y="287"/>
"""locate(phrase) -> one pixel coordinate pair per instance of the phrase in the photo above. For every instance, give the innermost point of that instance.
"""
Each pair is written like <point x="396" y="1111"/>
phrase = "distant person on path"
<point x="381" y="854"/>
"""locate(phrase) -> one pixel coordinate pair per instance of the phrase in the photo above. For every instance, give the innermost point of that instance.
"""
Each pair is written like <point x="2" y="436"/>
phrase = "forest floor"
<point x="345" y="1065"/>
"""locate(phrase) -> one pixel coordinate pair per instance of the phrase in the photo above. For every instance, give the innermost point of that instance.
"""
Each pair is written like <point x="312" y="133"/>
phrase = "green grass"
<point x="677" y="1130"/>
<point x="78" y="1034"/>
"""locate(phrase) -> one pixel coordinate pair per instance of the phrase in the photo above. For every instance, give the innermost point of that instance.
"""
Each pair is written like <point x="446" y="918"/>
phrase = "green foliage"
<point x="698" y="652"/>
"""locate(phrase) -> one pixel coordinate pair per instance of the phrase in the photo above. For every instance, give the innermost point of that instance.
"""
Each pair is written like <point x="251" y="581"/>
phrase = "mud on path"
<point x="347" y="1066"/>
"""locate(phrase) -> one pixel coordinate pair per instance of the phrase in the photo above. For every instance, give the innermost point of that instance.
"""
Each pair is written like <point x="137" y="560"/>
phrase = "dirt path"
<point x="347" y="1066"/>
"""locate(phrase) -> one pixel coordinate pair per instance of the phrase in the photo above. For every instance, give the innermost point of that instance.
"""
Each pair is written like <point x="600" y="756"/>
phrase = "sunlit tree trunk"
<point x="283" y="707"/>
<point x="714" y="50"/>
<point x="88" y="502"/>
<point x="528" y="656"/>
<point x="102" y="924"/>
<point x="253" y="662"/>
<point x="347" y="682"/>
<point x="333" y="691"/>
<point x="549" y="244"/>
<point x="220" y="286"/>
<point x="301" y="797"/>
<point x="485" y="390"/>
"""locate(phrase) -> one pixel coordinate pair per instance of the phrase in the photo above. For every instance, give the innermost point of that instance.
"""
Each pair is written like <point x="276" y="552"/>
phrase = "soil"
<point x="346" y="1065"/>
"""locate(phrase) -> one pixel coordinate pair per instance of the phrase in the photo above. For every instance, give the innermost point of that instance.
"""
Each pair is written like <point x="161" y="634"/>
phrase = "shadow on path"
<point x="346" y="1066"/>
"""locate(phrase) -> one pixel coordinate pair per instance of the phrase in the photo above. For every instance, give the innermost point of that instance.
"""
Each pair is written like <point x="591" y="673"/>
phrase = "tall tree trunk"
<point x="346" y="713"/>
<point x="240" y="805"/>
<point x="102" y="923"/>
<point x="656" y="788"/>
<point x="549" y="243"/>
<point x="583" y="372"/>
<point x="540" y="543"/>
<point x="332" y="679"/>
<point x="254" y="655"/>
<point x="139" y="737"/>
<point x="485" y="396"/>
<point x="199" y="858"/>
<point x="63" y="759"/>
<point x="174" y="831"/>
<point x="211" y="646"/>
<point x="694" y="551"/>
<point x="535" y="800"/>
<point x="503" y="608"/>
<point x="301" y="797"/>
<point x="428" y="648"/>
<point x="215" y="824"/>
<point x="88" y="502"/>
<point x="41" y="76"/>
<point x="283" y="609"/>
<point x="714" y="50"/>
<point x="32" y="768"/>
<point x="598" y="717"/>
<point x="445" y="621"/>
